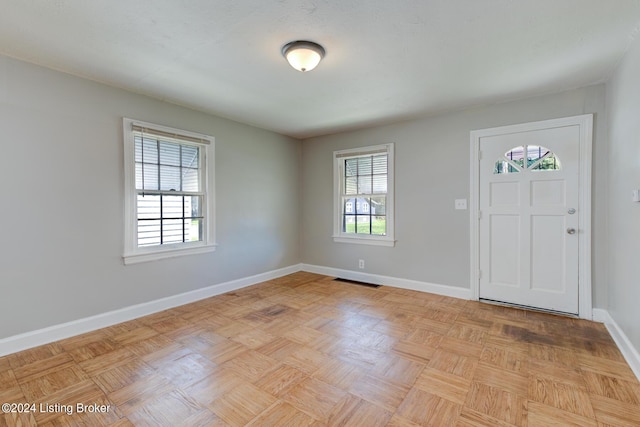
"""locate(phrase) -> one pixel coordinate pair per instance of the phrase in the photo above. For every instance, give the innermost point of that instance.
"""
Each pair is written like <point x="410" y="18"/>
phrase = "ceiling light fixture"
<point x="303" y="55"/>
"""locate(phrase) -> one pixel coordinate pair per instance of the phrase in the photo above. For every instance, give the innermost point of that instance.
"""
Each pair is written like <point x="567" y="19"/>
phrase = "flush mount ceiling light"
<point x="303" y="55"/>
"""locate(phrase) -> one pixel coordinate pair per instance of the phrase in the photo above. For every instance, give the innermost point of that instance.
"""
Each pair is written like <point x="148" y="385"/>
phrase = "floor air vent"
<point x="355" y="282"/>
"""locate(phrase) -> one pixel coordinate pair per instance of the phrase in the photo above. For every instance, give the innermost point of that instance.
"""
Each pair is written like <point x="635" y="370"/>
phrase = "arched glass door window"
<point x="538" y="158"/>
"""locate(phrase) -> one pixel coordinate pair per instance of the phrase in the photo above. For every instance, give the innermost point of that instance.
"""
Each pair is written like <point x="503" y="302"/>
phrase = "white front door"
<point x="529" y="216"/>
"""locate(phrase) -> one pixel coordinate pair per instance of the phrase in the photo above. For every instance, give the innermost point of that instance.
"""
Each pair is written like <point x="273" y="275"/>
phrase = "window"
<point x="168" y="203"/>
<point x="363" y="195"/>
<point x="538" y="157"/>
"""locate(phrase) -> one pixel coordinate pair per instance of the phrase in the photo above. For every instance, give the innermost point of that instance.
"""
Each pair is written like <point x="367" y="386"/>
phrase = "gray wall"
<point x="432" y="170"/>
<point x="61" y="215"/>
<point x="61" y="166"/>
<point x="623" y="109"/>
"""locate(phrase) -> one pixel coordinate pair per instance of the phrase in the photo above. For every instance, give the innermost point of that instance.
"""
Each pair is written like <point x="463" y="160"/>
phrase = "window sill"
<point x="365" y="241"/>
<point x="139" y="257"/>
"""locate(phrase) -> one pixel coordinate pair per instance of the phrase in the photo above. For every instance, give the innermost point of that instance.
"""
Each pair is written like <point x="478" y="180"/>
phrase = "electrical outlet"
<point x="361" y="264"/>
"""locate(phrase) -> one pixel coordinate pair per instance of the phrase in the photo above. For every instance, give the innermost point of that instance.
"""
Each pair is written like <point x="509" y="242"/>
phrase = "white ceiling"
<point x="386" y="60"/>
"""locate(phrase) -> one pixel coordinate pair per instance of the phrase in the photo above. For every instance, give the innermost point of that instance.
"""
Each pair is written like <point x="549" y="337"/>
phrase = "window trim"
<point x="132" y="253"/>
<point x="363" y="239"/>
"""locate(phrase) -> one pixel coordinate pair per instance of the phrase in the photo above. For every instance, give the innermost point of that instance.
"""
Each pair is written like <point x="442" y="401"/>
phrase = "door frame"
<point x="585" y="123"/>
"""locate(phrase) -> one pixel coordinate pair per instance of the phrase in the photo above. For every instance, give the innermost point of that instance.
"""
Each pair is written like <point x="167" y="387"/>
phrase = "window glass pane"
<point x="192" y="206"/>
<point x="174" y="228"/>
<point x="362" y="224"/>
<point x="351" y="185"/>
<point x="172" y="206"/>
<point x="190" y="156"/>
<point x="380" y="164"/>
<point x="146" y="176"/>
<point x="537" y="158"/>
<point x="548" y="163"/>
<point x="364" y="184"/>
<point x="146" y="150"/>
<point x="378" y="205"/>
<point x="190" y="180"/>
<point x="148" y="233"/>
<point x="516" y="155"/>
<point x="170" y="178"/>
<point x="172" y="231"/>
<point x="351" y="167"/>
<point x="349" y="225"/>
<point x="193" y="230"/>
<point x="148" y="207"/>
<point x="364" y="165"/>
<point x="349" y="206"/>
<point x="379" y="225"/>
<point x="535" y="152"/>
<point x="169" y="154"/>
<point x="380" y="183"/>
<point x="362" y="206"/>
<point x="503" y="166"/>
<point x="365" y="175"/>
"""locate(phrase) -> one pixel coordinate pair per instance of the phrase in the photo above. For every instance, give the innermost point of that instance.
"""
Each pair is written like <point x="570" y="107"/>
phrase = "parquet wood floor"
<point x="304" y="350"/>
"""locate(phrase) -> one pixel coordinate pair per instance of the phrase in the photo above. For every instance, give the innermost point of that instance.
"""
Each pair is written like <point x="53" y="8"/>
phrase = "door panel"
<point x="504" y="245"/>
<point x="548" y="193"/>
<point x="547" y="253"/>
<point x="504" y="194"/>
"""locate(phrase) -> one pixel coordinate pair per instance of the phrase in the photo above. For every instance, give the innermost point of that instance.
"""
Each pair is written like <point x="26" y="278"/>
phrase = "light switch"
<point x="461" y="204"/>
<point x="635" y="197"/>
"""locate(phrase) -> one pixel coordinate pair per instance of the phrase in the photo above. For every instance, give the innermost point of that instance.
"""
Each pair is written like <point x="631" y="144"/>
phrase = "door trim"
<point x="585" y="122"/>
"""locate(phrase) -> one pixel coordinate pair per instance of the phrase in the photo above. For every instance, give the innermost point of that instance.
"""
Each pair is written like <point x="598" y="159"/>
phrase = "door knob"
<point x="571" y="230"/>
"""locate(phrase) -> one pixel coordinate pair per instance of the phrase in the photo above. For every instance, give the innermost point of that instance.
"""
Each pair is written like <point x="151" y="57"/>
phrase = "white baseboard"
<point x="627" y="349"/>
<point x="450" y="291"/>
<point x="80" y="326"/>
<point x="76" y="327"/>
<point x="601" y="316"/>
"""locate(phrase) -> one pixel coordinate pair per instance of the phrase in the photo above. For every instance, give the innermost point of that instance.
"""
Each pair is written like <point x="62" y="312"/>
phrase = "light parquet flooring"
<point x="304" y="350"/>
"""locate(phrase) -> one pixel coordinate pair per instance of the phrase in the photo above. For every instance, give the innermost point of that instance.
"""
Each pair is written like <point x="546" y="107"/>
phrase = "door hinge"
<point x="479" y="215"/>
<point x="479" y="154"/>
<point x="479" y="274"/>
